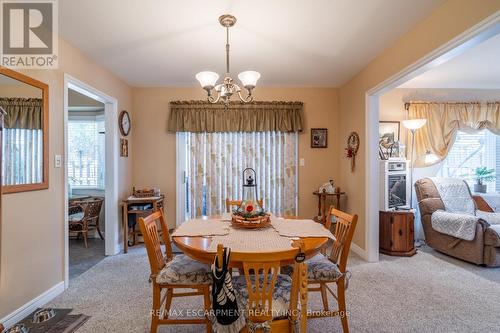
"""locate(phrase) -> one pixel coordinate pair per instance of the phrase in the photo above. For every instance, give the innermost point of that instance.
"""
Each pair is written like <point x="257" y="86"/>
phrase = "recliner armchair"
<point x="484" y="249"/>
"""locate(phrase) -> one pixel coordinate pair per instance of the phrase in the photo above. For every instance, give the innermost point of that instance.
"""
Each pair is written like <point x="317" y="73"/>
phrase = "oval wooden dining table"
<point x="197" y="247"/>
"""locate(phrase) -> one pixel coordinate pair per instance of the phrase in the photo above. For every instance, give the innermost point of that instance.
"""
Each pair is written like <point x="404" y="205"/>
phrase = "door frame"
<point x="480" y="32"/>
<point x="111" y="199"/>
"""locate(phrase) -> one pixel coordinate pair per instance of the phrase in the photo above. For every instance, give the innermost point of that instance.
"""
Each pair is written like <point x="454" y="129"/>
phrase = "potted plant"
<point x="483" y="175"/>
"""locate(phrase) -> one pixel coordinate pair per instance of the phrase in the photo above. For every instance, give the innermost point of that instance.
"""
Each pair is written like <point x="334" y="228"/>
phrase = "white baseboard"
<point x="32" y="305"/>
<point x="359" y="251"/>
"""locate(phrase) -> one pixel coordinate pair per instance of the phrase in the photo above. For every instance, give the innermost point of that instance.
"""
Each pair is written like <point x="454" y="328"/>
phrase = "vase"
<point x="480" y="188"/>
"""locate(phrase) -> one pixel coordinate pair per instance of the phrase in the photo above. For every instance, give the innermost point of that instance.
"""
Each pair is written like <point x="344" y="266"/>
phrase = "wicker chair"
<point x="90" y="209"/>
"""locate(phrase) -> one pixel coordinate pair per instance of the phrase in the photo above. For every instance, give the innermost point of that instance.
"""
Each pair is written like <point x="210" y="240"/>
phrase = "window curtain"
<point x="22" y="141"/>
<point x="201" y="116"/>
<point x="445" y="119"/>
<point x="215" y="162"/>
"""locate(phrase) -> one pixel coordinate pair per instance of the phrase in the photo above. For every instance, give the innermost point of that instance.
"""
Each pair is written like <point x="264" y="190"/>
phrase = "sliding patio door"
<point x="210" y="167"/>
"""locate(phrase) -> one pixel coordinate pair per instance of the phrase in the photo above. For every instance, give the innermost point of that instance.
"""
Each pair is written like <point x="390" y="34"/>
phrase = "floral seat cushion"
<point x="281" y="293"/>
<point x="319" y="268"/>
<point x="184" y="270"/>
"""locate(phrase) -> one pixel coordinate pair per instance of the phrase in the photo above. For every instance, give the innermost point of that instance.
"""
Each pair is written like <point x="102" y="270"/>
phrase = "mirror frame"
<point x="45" y="127"/>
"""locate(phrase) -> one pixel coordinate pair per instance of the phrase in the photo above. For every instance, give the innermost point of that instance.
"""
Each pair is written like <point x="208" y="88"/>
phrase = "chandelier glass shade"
<point x="224" y="90"/>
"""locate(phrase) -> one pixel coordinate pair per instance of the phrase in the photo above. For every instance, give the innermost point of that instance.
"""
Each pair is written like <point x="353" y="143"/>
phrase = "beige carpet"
<point x="429" y="292"/>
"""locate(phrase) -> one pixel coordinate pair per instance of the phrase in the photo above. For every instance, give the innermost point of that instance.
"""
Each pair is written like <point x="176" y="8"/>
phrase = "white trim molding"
<point x="482" y="31"/>
<point x="32" y="305"/>
<point x="111" y="203"/>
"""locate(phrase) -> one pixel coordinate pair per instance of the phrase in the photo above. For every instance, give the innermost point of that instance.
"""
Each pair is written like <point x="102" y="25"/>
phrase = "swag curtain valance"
<point x="22" y="113"/>
<point x="445" y="119"/>
<point x="201" y="116"/>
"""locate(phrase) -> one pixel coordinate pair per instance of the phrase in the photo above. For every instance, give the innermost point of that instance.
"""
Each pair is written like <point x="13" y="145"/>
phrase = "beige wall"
<point x="154" y="154"/>
<point x="446" y="22"/>
<point x="32" y="244"/>
<point x="20" y="91"/>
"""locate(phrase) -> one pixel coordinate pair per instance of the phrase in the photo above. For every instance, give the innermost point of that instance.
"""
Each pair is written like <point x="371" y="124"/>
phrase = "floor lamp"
<point x="412" y="125"/>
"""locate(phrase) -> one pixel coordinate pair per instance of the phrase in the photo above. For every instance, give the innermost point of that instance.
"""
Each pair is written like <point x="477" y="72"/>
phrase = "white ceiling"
<point x="290" y="42"/>
<point x="476" y="68"/>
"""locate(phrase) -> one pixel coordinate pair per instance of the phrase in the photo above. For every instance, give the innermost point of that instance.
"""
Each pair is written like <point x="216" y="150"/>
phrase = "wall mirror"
<point x="25" y="135"/>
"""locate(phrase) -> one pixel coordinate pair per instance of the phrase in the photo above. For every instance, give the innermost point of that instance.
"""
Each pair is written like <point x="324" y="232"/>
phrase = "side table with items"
<point x="396" y="233"/>
<point x="323" y="207"/>
<point x="133" y="208"/>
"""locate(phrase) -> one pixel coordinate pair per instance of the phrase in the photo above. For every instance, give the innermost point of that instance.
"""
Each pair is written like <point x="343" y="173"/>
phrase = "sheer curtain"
<point x="215" y="162"/>
<point x="22" y="156"/>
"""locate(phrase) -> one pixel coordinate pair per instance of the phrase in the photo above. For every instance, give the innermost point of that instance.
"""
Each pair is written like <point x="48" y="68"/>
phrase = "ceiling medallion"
<point x="227" y="88"/>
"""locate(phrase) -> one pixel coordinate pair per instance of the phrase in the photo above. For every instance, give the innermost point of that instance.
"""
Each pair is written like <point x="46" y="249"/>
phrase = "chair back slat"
<point x="343" y="232"/>
<point x="261" y="278"/>
<point x="151" y="234"/>
<point x="237" y="203"/>
<point x="261" y="272"/>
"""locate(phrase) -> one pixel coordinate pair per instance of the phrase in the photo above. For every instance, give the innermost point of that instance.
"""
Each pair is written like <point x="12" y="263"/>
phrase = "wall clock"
<point x="124" y="123"/>
<point x="352" y="148"/>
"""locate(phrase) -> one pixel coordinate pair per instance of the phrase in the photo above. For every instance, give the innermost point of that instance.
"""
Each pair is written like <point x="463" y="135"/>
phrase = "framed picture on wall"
<point x="319" y="137"/>
<point x="123" y="147"/>
<point x="389" y="131"/>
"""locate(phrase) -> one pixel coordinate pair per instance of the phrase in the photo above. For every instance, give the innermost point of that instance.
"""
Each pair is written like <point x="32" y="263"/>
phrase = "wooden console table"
<point x="138" y="207"/>
<point x="322" y="209"/>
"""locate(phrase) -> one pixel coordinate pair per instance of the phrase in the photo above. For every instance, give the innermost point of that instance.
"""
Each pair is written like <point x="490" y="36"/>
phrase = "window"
<point x="213" y="163"/>
<point x="22" y="156"/>
<point x="471" y="151"/>
<point x="86" y="151"/>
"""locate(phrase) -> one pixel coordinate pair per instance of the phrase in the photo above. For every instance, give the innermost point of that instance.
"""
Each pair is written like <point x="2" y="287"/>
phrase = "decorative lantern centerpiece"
<point x="250" y="214"/>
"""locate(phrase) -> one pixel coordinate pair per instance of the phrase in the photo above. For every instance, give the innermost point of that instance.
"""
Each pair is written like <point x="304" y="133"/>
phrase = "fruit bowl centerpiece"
<point x="250" y="215"/>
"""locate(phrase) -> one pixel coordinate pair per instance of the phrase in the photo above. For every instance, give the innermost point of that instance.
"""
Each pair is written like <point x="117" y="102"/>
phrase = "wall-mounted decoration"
<point x="352" y="148"/>
<point x="124" y="123"/>
<point x="123" y="147"/>
<point x="319" y="137"/>
<point x="389" y="132"/>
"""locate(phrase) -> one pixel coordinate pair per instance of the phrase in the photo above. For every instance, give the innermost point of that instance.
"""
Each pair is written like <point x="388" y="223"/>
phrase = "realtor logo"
<point x="29" y="34"/>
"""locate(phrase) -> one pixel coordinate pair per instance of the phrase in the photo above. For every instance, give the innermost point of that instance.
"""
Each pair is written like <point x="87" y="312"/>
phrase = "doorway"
<point x="469" y="39"/>
<point x="91" y="171"/>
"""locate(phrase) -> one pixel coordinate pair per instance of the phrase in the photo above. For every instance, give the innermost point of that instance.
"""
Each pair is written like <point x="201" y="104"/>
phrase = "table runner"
<point x="252" y="240"/>
<point x="300" y="228"/>
<point x="201" y="227"/>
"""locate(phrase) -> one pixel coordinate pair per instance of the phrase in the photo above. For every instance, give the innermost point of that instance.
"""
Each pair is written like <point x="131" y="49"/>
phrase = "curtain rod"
<point x="407" y="104"/>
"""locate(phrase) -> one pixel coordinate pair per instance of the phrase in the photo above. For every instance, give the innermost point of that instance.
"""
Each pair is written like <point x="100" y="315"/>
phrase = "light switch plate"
<point x="58" y="161"/>
<point x="302" y="162"/>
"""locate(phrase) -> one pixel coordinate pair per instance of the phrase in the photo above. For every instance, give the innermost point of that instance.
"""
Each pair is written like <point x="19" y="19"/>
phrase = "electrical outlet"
<point x="302" y="162"/>
<point x="58" y="161"/>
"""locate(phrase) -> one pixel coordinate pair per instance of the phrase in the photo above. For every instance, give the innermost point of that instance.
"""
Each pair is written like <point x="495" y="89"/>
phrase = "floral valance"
<point x="445" y="119"/>
<point x="201" y="116"/>
<point x="22" y="113"/>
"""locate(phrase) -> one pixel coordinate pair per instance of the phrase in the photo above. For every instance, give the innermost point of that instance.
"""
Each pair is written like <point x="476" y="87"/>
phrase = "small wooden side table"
<point x="396" y="233"/>
<point x="130" y="207"/>
<point x="322" y="209"/>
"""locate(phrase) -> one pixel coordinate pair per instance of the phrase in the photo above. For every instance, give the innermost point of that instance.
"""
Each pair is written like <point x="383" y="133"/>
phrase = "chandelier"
<point x="227" y="88"/>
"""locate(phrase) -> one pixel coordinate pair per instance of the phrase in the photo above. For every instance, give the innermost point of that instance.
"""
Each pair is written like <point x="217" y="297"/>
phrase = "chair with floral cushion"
<point x="272" y="303"/>
<point x="169" y="273"/>
<point x="332" y="268"/>
<point x="323" y="268"/>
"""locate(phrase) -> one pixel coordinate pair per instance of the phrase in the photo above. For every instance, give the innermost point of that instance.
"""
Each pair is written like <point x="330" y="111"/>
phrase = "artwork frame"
<point x="123" y="148"/>
<point x="385" y="127"/>
<point x="389" y="133"/>
<point x="319" y="137"/>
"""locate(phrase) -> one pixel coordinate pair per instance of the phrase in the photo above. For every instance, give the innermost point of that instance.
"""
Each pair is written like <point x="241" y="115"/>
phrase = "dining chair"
<point x="230" y="203"/>
<point x="170" y="273"/>
<point x="271" y="299"/>
<point x="332" y="268"/>
<point x="89" y="219"/>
